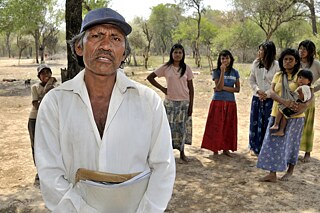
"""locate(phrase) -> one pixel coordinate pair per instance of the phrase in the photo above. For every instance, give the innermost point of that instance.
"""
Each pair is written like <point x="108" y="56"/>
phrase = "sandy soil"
<point x="205" y="184"/>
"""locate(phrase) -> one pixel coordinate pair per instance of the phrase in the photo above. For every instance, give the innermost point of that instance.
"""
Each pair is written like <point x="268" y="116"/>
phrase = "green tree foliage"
<point x="88" y="5"/>
<point x="29" y="17"/>
<point x="163" y="20"/>
<point x="137" y="39"/>
<point x="242" y="39"/>
<point x="200" y="10"/>
<point x="291" y="33"/>
<point x="23" y="42"/>
<point x="311" y="5"/>
<point x="270" y="14"/>
<point x="7" y="23"/>
<point x="148" y="35"/>
<point x="208" y="34"/>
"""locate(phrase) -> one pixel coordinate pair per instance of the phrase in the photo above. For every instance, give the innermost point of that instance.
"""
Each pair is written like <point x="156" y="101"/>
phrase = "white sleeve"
<point x="252" y="79"/>
<point x="162" y="164"/>
<point x="58" y="193"/>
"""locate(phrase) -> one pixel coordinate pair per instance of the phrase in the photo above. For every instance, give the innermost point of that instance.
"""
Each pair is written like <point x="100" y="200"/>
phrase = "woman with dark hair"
<point x="178" y="97"/>
<point x="281" y="153"/>
<point x="262" y="72"/>
<point x="221" y="128"/>
<point x="307" y="52"/>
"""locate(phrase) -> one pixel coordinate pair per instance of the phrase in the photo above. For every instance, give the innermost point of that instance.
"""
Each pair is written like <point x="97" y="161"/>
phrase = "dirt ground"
<point x="205" y="184"/>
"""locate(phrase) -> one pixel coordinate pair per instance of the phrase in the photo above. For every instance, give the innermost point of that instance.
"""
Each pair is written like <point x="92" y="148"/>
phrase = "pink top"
<point x="177" y="88"/>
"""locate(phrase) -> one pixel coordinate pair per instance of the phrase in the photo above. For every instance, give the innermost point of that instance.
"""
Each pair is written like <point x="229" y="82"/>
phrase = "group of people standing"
<point x="270" y="80"/>
<point x="282" y="108"/>
<point x="108" y="124"/>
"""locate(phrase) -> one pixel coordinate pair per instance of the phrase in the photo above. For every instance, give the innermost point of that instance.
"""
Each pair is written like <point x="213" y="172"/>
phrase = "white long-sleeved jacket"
<point x="260" y="78"/>
<point x="136" y="137"/>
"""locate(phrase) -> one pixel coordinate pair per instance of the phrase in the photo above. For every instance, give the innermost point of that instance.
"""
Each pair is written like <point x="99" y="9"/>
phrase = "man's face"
<point x="103" y="49"/>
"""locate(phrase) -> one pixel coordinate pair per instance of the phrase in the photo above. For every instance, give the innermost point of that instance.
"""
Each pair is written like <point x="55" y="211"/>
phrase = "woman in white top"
<point x="307" y="52"/>
<point x="262" y="72"/>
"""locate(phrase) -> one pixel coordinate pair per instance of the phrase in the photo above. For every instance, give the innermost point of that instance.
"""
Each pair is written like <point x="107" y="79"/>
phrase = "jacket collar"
<point x="77" y="84"/>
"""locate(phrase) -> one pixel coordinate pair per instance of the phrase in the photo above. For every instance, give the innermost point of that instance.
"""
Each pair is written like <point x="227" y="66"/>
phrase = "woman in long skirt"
<point x="221" y="128"/>
<point x="307" y="52"/>
<point x="179" y="97"/>
<point x="262" y="72"/>
<point x="279" y="153"/>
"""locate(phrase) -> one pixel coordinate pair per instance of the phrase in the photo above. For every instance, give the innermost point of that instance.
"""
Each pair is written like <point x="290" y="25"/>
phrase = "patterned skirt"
<point x="277" y="152"/>
<point x="259" y="118"/>
<point x="221" y="130"/>
<point x="308" y="132"/>
<point x="180" y="123"/>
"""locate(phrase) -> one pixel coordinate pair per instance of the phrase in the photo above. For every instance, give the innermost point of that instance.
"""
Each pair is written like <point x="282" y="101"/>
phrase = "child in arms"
<point x="301" y="94"/>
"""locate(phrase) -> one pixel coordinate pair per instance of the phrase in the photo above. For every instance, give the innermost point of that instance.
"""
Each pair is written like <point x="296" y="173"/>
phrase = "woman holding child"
<point x="281" y="153"/>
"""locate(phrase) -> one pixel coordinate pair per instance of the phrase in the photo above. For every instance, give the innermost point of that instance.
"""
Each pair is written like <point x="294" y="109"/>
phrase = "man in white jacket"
<point x="105" y="122"/>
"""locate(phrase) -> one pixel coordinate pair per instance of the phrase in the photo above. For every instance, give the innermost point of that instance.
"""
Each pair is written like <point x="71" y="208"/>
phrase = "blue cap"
<point x="105" y="16"/>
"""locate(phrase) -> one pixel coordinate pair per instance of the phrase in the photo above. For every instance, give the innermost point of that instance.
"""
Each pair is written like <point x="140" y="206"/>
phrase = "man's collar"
<point x="77" y="83"/>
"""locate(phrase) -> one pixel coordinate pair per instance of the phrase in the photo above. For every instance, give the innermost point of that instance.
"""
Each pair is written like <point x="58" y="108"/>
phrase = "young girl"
<point x="221" y="127"/>
<point x="262" y="72"/>
<point x="307" y="52"/>
<point x="179" y="96"/>
<point x="38" y="91"/>
<point x="301" y="94"/>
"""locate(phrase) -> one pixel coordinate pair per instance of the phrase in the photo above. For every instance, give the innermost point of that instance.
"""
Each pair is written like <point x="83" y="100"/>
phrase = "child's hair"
<point x="182" y="64"/>
<point x="269" y="54"/>
<point x="225" y="53"/>
<point x="306" y="74"/>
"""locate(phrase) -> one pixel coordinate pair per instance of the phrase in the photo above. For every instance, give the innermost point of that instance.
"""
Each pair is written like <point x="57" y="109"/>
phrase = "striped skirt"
<point x="180" y="123"/>
<point x="221" y="131"/>
<point x="308" y="132"/>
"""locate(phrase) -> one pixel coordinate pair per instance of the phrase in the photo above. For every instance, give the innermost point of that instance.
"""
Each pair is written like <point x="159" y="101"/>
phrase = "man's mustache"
<point x="107" y="53"/>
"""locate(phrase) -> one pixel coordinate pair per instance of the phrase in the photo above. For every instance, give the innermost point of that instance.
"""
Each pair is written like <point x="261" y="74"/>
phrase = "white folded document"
<point x="115" y="198"/>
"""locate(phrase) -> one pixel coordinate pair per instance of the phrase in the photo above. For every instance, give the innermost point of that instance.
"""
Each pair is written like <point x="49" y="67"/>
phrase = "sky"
<point x="132" y="8"/>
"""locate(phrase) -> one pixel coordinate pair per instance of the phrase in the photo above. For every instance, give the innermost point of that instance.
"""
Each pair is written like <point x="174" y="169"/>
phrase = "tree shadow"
<point x="225" y="184"/>
<point x="15" y="88"/>
<point x="23" y="199"/>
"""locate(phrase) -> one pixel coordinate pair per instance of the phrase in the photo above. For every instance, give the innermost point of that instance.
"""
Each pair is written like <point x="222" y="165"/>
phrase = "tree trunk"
<point x="134" y="59"/>
<point x="209" y="57"/>
<point x="197" y="47"/>
<point x="41" y="50"/>
<point x="313" y="18"/>
<point x="146" y="58"/>
<point x="36" y="40"/>
<point x="73" y="19"/>
<point x="8" y="44"/>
